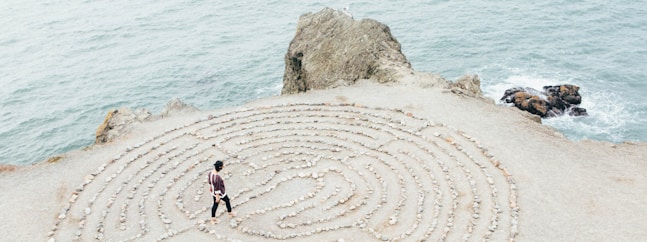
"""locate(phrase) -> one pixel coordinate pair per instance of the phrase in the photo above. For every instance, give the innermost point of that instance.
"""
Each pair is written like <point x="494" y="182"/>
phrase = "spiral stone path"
<point x="315" y="172"/>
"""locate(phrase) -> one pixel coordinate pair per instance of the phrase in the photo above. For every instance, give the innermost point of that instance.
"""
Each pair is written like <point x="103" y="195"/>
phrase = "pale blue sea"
<point x="65" y="64"/>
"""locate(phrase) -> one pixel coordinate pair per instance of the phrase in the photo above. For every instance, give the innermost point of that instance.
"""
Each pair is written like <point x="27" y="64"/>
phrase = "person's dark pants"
<point x="215" y="205"/>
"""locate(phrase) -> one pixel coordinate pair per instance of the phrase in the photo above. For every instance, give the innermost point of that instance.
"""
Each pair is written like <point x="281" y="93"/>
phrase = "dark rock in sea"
<point x="332" y="49"/>
<point x="577" y="111"/>
<point x="568" y="93"/>
<point x="552" y="101"/>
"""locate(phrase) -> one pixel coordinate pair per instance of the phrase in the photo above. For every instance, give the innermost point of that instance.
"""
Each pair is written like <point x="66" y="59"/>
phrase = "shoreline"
<point x="364" y="149"/>
<point x="558" y="189"/>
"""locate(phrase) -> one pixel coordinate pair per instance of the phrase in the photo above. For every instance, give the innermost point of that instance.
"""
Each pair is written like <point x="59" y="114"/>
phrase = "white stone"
<point x="393" y="221"/>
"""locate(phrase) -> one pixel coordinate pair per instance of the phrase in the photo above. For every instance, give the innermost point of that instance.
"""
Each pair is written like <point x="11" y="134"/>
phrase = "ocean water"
<point x="65" y="64"/>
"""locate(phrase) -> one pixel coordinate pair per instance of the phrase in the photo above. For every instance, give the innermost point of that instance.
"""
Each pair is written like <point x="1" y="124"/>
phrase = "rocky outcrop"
<point x="552" y="101"/>
<point x="7" y="168"/>
<point x="469" y="85"/>
<point x="176" y="106"/>
<point x="119" y="121"/>
<point x="332" y="49"/>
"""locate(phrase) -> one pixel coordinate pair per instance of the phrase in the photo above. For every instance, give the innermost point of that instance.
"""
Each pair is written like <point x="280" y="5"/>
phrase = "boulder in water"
<point x="552" y="101"/>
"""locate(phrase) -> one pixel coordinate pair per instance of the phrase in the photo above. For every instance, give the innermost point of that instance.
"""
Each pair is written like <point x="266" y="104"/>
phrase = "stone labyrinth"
<point x="322" y="172"/>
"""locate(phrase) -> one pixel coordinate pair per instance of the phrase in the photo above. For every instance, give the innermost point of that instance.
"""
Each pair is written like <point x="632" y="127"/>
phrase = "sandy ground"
<point x="360" y="163"/>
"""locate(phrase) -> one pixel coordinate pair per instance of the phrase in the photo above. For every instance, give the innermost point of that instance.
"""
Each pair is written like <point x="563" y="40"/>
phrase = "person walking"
<point x="217" y="189"/>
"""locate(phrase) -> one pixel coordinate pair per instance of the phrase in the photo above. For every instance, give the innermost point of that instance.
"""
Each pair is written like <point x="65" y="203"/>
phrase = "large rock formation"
<point x="332" y="49"/>
<point x="119" y="121"/>
<point x="553" y="101"/>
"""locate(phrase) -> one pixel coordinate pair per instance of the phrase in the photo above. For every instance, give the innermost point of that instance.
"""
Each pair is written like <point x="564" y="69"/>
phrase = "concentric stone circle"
<point x="302" y="171"/>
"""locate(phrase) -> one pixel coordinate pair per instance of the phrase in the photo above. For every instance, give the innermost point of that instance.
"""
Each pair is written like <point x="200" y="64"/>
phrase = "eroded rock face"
<point x="332" y="49"/>
<point x="468" y="84"/>
<point x="8" y="168"/>
<point x="552" y="101"/>
<point x="119" y="121"/>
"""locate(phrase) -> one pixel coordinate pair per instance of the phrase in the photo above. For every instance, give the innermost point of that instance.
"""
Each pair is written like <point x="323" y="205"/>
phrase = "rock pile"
<point x="553" y="101"/>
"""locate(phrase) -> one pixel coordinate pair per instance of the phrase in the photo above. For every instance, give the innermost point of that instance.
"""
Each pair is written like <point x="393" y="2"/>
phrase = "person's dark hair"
<point x="218" y="165"/>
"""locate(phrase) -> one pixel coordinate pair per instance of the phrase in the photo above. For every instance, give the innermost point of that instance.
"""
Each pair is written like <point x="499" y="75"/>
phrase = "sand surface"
<point x="361" y="163"/>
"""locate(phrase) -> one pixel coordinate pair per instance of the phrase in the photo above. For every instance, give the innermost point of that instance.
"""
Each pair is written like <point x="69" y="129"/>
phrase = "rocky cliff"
<point x="332" y="49"/>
